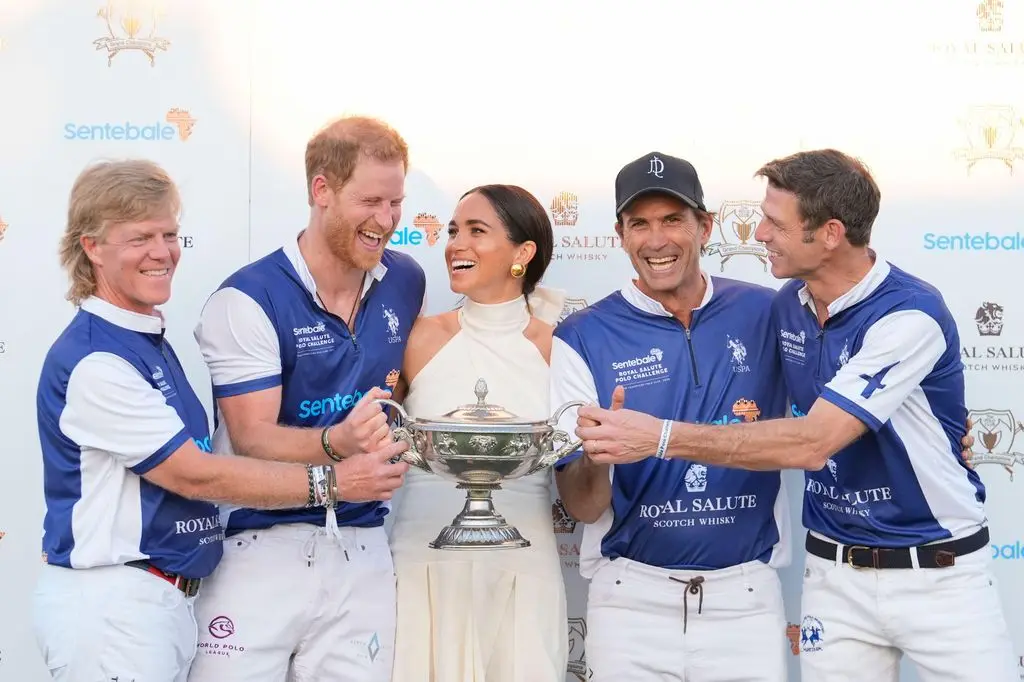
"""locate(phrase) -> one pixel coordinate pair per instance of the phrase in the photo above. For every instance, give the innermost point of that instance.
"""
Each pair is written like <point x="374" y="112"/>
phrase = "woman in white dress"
<point x="483" y="615"/>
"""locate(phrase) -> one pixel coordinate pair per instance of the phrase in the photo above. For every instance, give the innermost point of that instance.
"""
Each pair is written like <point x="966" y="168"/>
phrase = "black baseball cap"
<point x="657" y="172"/>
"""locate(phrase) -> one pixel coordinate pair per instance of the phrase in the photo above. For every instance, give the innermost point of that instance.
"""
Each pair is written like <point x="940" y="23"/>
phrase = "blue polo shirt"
<point x="678" y="514"/>
<point x="113" y="403"/>
<point x="265" y="327"/>
<point x="889" y="355"/>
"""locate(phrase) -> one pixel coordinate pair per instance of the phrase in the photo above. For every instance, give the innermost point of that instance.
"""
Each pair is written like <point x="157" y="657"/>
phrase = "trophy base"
<point x="479" y="525"/>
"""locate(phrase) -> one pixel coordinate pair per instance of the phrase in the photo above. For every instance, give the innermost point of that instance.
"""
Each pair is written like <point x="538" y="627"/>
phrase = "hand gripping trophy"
<point x="478" y="446"/>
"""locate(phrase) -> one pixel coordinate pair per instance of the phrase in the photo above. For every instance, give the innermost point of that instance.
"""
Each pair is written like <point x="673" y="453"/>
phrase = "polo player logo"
<point x="392" y="319"/>
<point x="739" y="354"/>
<point x="811" y="634"/>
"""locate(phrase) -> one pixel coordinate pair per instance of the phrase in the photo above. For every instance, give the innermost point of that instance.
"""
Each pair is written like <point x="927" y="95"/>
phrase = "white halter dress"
<point x="481" y="615"/>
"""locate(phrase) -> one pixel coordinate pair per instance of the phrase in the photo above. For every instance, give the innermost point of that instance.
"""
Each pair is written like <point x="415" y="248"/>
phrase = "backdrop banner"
<point x="554" y="97"/>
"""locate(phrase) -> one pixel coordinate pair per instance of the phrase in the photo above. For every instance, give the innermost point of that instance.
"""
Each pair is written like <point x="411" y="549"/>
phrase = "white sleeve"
<point x="239" y="343"/>
<point x="898" y="352"/>
<point x="109" y="406"/>
<point x="571" y="380"/>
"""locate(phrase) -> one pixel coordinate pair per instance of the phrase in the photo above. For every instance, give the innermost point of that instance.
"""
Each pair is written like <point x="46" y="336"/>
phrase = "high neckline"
<point x="495" y="317"/>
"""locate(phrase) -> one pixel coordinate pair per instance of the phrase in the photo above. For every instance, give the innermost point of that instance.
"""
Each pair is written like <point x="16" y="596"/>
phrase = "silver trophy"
<point x="479" y="446"/>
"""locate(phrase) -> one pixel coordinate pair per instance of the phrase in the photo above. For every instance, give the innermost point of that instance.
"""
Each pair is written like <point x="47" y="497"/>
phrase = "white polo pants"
<point x="298" y="603"/>
<point x="858" y="622"/>
<point x="643" y="626"/>
<point x="112" y="623"/>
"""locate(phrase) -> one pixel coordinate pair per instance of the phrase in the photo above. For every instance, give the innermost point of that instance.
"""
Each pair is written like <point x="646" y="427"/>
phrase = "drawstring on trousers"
<point x="330" y="530"/>
<point x="693" y="586"/>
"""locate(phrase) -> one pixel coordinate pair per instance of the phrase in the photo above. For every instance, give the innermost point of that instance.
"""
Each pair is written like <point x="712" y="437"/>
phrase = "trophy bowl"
<point x="477" y="446"/>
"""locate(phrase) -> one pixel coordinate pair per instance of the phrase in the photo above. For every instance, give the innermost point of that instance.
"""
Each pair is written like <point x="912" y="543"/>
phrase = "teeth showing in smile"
<point x="373" y="237"/>
<point x="462" y="264"/>
<point x="155" y="273"/>
<point x="661" y="263"/>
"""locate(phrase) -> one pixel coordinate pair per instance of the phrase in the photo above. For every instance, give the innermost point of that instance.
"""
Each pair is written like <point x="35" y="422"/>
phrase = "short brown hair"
<point x="829" y="185"/>
<point x="106" y="194"/>
<point x="336" y="148"/>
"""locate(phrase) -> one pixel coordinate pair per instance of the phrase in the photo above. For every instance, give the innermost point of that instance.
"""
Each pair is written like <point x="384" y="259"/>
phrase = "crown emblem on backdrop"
<point x="990" y="132"/>
<point x="430" y="225"/>
<point x="990" y="15"/>
<point x="565" y="209"/>
<point x="747" y="409"/>
<point x="130" y="27"/>
<point x="183" y="121"/>
<point x="995" y="431"/>
<point x="392" y="379"/>
<point x="989" y="318"/>
<point x="736" y="222"/>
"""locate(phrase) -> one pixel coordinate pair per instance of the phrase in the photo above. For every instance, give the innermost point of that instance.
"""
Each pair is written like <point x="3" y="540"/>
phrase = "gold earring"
<point x="518" y="270"/>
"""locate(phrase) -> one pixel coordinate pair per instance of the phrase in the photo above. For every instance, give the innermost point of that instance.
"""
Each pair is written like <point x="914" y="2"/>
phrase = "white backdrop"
<point x="554" y="96"/>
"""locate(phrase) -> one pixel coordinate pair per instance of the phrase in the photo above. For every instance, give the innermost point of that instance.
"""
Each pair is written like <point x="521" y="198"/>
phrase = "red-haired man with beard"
<point x="295" y="342"/>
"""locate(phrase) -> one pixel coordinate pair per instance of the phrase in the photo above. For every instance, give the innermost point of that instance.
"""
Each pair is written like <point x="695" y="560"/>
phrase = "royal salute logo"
<point x="989" y="37"/>
<point x="736" y="221"/>
<point x="131" y="25"/>
<point x="578" y="650"/>
<point x="565" y="209"/>
<point x="990" y="131"/>
<point x="562" y="523"/>
<point x="571" y="305"/>
<point x="995" y="432"/>
<point x="984" y="353"/>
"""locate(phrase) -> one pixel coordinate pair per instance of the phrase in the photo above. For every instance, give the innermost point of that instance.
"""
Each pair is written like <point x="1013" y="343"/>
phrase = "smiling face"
<point x="134" y="262"/>
<point x="663" y="238"/>
<point x="792" y="251"/>
<point x="361" y="216"/>
<point x="480" y="254"/>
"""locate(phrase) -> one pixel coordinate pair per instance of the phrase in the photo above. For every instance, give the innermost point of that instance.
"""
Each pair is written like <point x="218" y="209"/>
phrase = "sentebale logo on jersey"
<point x="328" y="404"/>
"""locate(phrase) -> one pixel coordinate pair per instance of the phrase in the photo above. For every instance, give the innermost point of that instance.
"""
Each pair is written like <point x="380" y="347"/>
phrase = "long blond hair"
<point x="105" y="194"/>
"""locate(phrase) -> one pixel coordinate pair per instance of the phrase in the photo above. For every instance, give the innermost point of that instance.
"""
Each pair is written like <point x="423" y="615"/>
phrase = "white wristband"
<point x="666" y="432"/>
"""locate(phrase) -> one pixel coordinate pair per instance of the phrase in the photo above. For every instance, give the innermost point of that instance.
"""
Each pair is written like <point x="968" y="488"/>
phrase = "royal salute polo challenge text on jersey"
<point x="201" y="524"/>
<point x="641" y="370"/>
<point x="793" y="346"/>
<point x="313" y="339"/>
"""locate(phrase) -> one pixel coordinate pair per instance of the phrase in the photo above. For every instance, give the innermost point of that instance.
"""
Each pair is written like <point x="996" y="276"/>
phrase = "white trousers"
<point x="298" y="603"/>
<point x="112" y="623"/>
<point x="644" y="625"/>
<point x="857" y="623"/>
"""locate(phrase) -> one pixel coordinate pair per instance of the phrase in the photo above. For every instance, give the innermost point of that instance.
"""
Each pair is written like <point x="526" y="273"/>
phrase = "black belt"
<point x="190" y="586"/>
<point x="938" y="555"/>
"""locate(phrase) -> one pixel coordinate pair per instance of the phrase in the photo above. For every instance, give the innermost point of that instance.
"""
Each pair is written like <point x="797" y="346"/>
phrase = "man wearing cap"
<point x="897" y="544"/>
<point x="681" y="556"/>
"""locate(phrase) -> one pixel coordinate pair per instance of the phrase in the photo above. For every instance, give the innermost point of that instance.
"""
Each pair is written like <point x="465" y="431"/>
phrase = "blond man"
<point x="294" y="342"/>
<point x="128" y="539"/>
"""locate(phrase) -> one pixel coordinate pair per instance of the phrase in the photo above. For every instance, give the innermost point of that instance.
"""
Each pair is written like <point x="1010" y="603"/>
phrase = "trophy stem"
<point x="479" y="525"/>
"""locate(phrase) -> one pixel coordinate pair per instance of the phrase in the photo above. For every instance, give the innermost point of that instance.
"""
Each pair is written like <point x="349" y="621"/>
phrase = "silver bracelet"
<point x="666" y="433"/>
<point x="321" y="488"/>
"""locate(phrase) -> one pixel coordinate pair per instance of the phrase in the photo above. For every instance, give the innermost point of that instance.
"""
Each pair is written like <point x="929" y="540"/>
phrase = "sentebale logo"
<point x="177" y="124"/>
<point x="328" y="404"/>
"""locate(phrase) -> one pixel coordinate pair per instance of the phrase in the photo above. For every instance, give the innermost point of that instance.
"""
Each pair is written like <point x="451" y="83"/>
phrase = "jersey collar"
<point x="294" y="255"/>
<point x="638" y="299"/>
<point x="126" y="319"/>
<point x="860" y="291"/>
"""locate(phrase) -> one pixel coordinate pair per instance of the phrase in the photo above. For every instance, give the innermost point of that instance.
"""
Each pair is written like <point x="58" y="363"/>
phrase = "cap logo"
<point x="657" y="167"/>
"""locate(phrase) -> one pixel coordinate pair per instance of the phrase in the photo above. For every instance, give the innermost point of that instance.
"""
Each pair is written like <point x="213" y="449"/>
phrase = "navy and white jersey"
<point x="265" y="327"/>
<point x="675" y="513"/>
<point x="888" y="354"/>
<point x="112" y="404"/>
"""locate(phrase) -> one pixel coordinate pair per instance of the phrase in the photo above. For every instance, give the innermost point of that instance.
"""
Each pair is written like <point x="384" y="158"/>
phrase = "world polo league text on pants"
<point x="676" y="525"/>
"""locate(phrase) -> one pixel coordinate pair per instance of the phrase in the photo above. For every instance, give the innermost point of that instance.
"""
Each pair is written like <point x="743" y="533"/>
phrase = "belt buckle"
<point x="190" y="586"/>
<point x="874" y="556"/>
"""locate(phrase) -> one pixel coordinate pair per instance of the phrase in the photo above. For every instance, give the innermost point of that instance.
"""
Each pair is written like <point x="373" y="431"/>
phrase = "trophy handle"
<point x="410" y="456"/>
<point x="563" y="445"/>
<point x="561" y="410"/>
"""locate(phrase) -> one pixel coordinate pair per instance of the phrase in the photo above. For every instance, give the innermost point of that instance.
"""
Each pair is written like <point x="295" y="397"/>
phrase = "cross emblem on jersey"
<point x="875" y="381"/>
